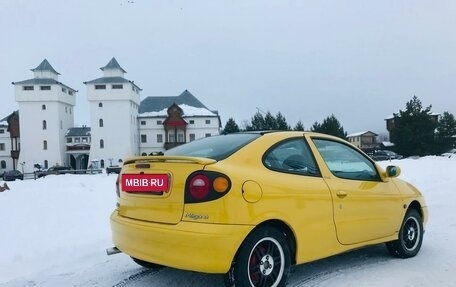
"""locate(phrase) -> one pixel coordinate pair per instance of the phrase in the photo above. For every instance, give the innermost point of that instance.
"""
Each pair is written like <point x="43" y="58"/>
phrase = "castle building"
<point x="166" y="122"/>
<point x="9" y="141"/>
<point x="5" y="145"/>
<point x="113" y="103"/>
<point x="46" y="113"/>
<point x="42" y="131"/>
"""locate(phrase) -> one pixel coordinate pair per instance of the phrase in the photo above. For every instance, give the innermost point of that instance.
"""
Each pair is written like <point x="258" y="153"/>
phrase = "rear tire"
<point x="146" y="264"/>
<point x="263" y="260"/>
<point x="410" y="236"/>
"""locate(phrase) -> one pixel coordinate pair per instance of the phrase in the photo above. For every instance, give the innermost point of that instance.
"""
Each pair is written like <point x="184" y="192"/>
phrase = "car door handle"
<point x="341" y="194"/>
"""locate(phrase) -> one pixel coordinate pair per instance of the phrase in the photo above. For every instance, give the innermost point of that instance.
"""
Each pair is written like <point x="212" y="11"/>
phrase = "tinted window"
<point x="346" y="162"/>
<point x="216" y="147"/>
<point x="291" y="156"/>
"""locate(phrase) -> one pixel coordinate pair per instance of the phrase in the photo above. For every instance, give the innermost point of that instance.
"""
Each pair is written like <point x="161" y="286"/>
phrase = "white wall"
<point x="199" y="127"/>
<point x="5" y="155"/>
<point x="59" y="117"/>
<point x="119" y="112"/>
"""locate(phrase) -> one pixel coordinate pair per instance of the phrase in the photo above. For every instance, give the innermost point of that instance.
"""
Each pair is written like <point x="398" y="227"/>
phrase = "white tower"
<point x="45" y="114"/>
<point x="113" y="104"/>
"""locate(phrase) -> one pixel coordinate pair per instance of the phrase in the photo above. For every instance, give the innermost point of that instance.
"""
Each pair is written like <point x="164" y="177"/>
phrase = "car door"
<point x="365" y="207"/>
<point x="296" y="189"/>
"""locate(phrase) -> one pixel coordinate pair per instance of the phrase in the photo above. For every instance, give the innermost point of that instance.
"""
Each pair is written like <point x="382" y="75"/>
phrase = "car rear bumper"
<point x="208" y="248"/>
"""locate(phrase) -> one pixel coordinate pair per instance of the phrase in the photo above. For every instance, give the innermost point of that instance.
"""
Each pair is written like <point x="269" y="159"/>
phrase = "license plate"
<point x="153" y="183"/>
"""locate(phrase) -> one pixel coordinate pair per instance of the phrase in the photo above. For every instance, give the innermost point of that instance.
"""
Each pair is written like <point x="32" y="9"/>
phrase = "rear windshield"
<point x="215" y="147"/>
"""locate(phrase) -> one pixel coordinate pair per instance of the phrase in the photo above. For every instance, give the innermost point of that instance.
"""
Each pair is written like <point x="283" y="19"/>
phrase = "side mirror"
<point x="393" y="171"/>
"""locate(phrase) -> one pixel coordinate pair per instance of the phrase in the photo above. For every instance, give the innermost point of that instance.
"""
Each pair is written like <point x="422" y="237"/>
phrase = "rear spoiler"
<point x="169" y="158"/>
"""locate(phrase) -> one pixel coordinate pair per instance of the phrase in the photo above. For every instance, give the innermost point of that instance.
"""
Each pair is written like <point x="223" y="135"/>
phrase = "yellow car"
<point x="250" y="205"/>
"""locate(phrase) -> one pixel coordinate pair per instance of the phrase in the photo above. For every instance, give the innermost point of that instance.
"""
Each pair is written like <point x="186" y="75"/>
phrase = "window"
<point x="100" y="87"/>
<point x="69" y="140"/>
<point x="102" y="163"/>
<point x="43" y="107"/>
<point x="46" y="164"/>
<point x="218" y="147"/>
<point x="101" y="143"/>
<point x="171" y="138"/>
<point x="2" y="131"/>
<point x="70" y="93"/>
<point x="84" y="139"/>
<point x="208" y="122"/>
<point x="291" y="156"/>
<point x="117" y="87"/>
<point x="2" y="146"/>
<point x="70" y="110"/>
<point x="207" y="135"/>
<point x="143" y="138"/>
<point x="45" y="145"/>
<point x="100" y="123"/>
<point x="28" y="88"/>
<point x="77" y="140"/>
<point x="192" y="122"/>
<point x="44" y="125"/>
<point x="143" y="123"/>
<point x="45" y="88"/>
<point x="159" y="122"/>
<point x="100" y="105"/>
<point x="3" y="164"/>
<point x="192" y="137"/>
<point x="160" y="138"/>
<point x="66" y="110"/>
<point x="64" y="90"/>
<point x="180" y="138"/>
<point x="345" y="162"/>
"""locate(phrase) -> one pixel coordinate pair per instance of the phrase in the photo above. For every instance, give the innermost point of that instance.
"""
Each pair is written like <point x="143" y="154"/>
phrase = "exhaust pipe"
<point x="112" y="251"/>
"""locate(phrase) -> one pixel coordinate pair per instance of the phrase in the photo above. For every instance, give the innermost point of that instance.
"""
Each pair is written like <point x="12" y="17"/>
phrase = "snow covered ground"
<point x="54" y="232"/>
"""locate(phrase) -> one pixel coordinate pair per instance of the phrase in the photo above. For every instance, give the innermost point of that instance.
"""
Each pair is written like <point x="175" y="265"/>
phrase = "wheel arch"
<point x="283" y="227"/>
<point x="417" y="206"/>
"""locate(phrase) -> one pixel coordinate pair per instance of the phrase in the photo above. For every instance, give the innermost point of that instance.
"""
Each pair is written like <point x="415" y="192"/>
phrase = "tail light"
<point x="205" y="186"/>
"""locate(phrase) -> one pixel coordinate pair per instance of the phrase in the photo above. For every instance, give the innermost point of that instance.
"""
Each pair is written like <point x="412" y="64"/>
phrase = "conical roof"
<point x="45" y="66"/>
<point x="113" y="64"/>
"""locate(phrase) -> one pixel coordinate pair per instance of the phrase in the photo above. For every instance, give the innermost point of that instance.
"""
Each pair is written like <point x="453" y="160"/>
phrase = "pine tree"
<point x="330" y="126"/>
<point x="446" y="131"/>
<point x="281" y="122"/>
<point x="257" y="123"/>
<point x="413" y="131"/>
<point x="230" y="127"/>
<point x="270" y="122"/>
<point x="299" y="126"/>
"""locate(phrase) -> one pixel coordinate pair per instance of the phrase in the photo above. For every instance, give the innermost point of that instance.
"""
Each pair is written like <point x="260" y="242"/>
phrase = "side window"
<point x="345" y="162"/>
<point x="291" y="156"/>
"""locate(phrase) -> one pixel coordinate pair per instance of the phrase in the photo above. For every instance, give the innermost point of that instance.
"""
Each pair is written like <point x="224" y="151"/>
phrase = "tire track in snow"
<point x="135" y="277"/>
<point x="316" y="273"/>
<point x="312" y="274"/>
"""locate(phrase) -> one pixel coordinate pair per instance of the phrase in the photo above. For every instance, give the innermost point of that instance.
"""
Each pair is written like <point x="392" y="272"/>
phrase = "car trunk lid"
<point x="152" y="188"/>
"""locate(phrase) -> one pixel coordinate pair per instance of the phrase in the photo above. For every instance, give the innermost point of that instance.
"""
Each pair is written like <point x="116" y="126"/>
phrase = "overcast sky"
<point x="359" y="60"/>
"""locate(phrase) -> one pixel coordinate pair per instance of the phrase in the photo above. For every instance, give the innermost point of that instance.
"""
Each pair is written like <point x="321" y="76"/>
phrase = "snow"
<point x="54" y="232"/>
<point x="188" y="111"/>
<point x="359" y="134"/>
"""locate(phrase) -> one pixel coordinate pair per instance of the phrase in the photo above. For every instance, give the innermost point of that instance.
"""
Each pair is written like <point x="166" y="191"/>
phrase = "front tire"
<point x="263" y="260"/>
<point x="410" y="236"/>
